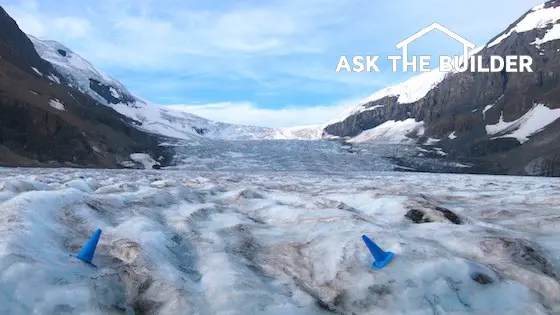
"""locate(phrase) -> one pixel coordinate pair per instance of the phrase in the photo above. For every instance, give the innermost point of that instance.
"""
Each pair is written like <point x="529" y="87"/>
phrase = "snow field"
<point x="532" y="122"/>
<point x="178" y="242"/>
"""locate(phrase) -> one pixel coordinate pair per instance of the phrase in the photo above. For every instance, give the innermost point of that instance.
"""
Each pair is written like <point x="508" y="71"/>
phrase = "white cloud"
<point x="247" y="113"/>
<point x="73" y="27"/>
<point x="25" y="15"/>
<point x="61" y="27"/>
<point x="242" y="37"/>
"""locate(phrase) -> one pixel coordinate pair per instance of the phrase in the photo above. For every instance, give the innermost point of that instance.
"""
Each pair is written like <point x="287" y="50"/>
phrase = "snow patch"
<point x="499" y="127"/>
<point x="114" y="92"/>
<point x="488" y="107"/>
<point x="56" y="104"/>
<point x="440" y="151"/>
<point x="431" y="141"/>
<point x="527" y="125"/>
<point x="37" y="71"/>
<point x="539" y="6"/>
<point x="452" y="136"/>
<point x="54" y="78"/>
<point x="539" y="17"/>
<point x="391" y="131"/>
<point x="551" y="34"/>
<point x="145" y="159"/>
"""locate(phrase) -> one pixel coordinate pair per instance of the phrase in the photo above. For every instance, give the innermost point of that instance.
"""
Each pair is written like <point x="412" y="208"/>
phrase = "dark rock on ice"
<point x="417" y="216"/>
<point x="451" y="216"/>
<point x="481" y="278"/>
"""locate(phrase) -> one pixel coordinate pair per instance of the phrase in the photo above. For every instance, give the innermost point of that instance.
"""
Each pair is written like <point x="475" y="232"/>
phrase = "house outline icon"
<point x="435" y="26"/>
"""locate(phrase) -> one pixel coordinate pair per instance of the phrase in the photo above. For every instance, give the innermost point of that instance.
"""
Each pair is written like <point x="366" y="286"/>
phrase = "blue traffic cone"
<point x="382" y="258"/>
<point x="86" y="254"/>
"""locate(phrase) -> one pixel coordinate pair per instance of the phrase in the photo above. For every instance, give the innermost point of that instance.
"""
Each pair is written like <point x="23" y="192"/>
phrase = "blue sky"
<point x="260" y="62"/>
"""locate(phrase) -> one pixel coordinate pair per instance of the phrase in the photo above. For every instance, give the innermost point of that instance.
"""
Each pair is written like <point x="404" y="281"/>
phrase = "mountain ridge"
<point x="457" y="109"/>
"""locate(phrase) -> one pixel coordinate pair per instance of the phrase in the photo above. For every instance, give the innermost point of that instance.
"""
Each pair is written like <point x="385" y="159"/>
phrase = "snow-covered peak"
<point x="541" y="16"/>
<point x="80" y="73"/>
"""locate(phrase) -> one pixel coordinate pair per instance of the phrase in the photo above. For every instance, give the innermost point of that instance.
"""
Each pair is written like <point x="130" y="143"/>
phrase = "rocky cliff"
<point x="501" y="121"/>
<point x="46" y="122"/>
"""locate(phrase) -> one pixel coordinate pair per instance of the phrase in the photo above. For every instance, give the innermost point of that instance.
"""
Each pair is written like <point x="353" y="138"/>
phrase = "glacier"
<point x="280" y="234"/>
<point x="240" y="224"/>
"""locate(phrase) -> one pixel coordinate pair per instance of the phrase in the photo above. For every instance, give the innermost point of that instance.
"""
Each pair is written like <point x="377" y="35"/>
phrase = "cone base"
<point x="382" y="263"/>
<point x="83" y="260"/>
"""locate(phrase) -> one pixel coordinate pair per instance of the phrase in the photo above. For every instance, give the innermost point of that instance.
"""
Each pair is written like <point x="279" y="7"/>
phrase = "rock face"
<point x="44" y="122"/>
<point x="459" y="107"/>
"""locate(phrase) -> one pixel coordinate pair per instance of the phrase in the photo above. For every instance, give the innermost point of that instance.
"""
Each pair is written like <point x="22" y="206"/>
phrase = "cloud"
<point x="246" y="37"/>
<point x="247" y="113"/>
<point x="61" y="27"/>
<point x="27" y="18"/>
<point x="73" y="27"/>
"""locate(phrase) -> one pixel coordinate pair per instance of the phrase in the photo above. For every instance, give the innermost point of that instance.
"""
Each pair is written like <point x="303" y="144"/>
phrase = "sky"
<point x="257" y="62"/>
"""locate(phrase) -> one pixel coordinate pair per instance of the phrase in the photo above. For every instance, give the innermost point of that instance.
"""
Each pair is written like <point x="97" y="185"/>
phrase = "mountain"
<point x="64" y="111"/>
<point x="506" y="123"/>
<point x="45" y="121"/>
<point x="163" y="120"/>
<point x="59" y="110"/>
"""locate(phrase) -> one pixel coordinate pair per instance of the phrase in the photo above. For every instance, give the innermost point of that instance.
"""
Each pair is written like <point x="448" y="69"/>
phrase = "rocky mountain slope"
<point x="505" y="122"/>
<point x="45" y="121"/>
